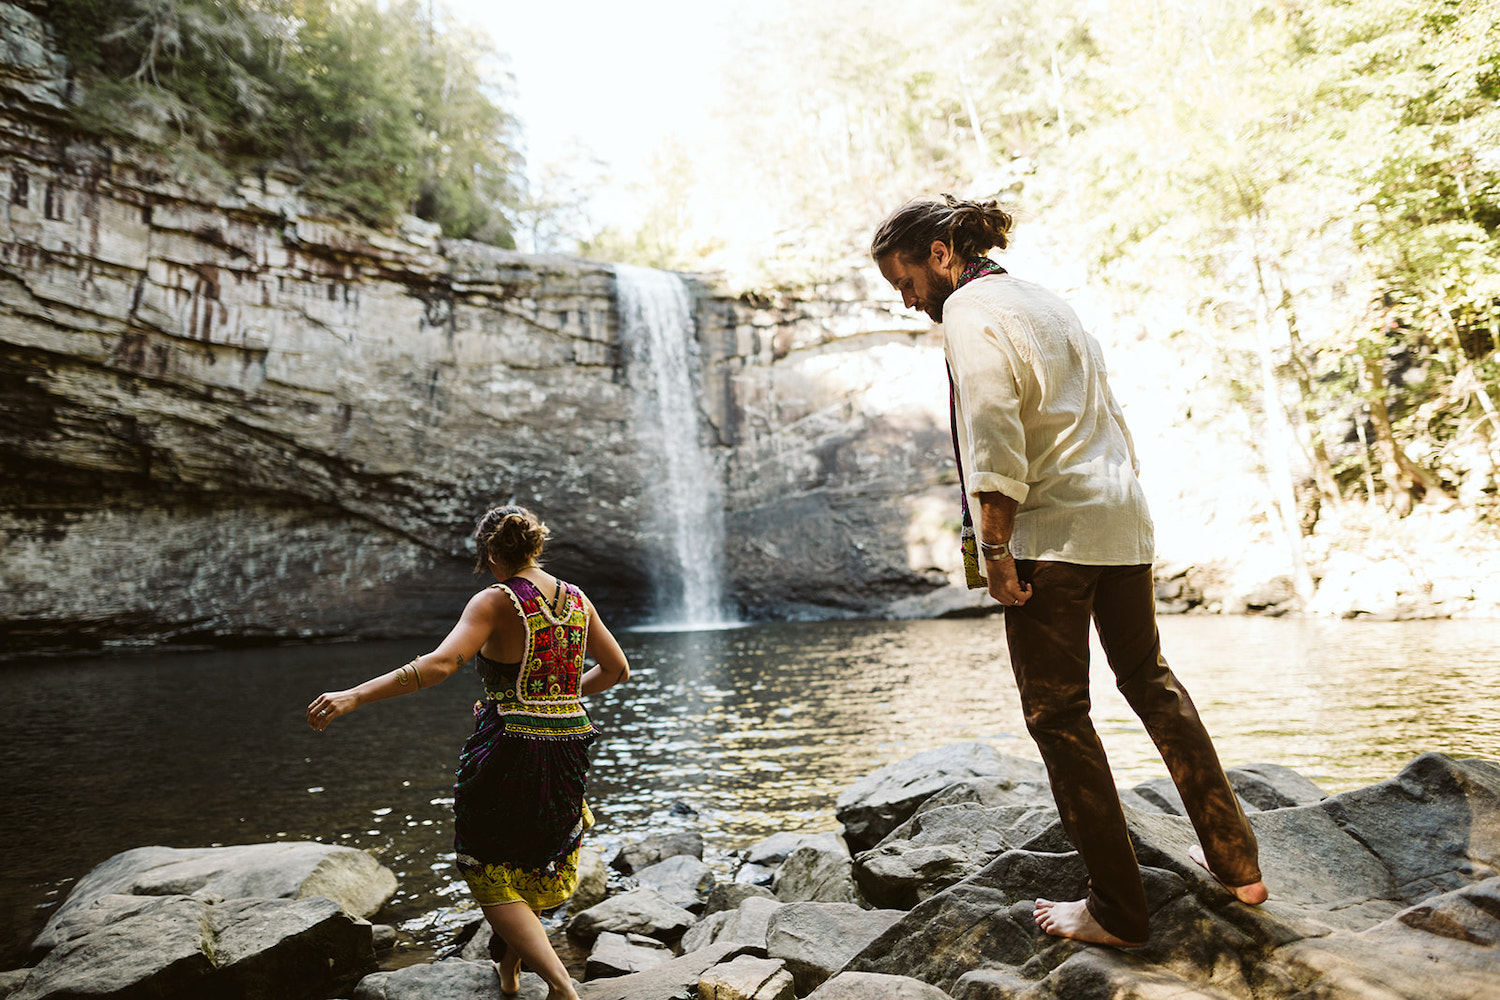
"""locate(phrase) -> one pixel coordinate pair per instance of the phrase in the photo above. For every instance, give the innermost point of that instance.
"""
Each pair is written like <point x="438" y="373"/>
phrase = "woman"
<point x="518" y="802"/>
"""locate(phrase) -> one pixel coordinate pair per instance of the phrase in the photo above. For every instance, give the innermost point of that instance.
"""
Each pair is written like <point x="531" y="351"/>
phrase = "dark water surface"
<point x="755" y="729"/>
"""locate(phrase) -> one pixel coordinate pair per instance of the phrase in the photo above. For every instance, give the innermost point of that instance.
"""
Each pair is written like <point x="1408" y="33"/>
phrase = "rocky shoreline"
<point x="924" y="893"/>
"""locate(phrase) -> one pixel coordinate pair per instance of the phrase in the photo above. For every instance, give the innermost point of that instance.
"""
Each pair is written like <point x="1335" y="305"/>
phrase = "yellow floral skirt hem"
<point x="494" y="883"/>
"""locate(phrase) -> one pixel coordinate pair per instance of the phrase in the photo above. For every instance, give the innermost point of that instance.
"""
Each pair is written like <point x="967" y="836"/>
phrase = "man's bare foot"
<point x="1073" y="920"/>
<point x="1254" y="894"/>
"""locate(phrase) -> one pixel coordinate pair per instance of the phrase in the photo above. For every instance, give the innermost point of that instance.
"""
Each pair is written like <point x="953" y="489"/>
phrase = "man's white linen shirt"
<point x="1036" y="421"/>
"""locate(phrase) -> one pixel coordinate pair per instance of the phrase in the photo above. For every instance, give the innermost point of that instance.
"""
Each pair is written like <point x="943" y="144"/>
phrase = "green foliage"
<point x="380" y="108"/>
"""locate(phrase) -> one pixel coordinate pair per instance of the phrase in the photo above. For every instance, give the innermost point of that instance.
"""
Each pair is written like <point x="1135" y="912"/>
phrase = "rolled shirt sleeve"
<point x="988" y="385"/>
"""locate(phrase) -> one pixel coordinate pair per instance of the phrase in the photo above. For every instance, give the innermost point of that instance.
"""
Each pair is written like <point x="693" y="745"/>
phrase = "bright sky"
<point x="617" y="78"/>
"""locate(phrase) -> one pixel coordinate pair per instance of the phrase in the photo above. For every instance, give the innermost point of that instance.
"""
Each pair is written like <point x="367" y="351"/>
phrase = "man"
<point x="1065" y="537"/>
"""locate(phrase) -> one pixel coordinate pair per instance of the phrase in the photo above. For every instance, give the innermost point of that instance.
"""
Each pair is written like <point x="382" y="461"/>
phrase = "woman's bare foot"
<point x="507" y="966"/>
<point x="1254" y="894"/>
<point x="1073" y="920"/>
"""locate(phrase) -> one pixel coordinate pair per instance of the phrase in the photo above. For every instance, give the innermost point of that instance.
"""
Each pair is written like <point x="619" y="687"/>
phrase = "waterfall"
<point x="684" y="515"/>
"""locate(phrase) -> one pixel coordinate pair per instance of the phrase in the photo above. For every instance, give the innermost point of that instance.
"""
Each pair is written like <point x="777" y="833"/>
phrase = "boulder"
<point x="875" y="986"/>
<point x="729" y="895"/>
<point x="674" y="980"/>
<point x="941" y="845"/>
<point x="298" y="870"/>
<point x="655" y="848"/>
<point x="1273" y="786"/>
<point x="178" y="946"/>
<point x="745" y="926"/>
<point x="878" y="802"/>
<point x="747" y="978"/>
<point x="1369" y="889"/>
<point x="816" y="874"/>
<point x="451" y="979"/>
<point x="593" y="881"/>
<point x="639" y="911"/>
<point x="706" y="931"/>
<point x="681" y="879"/>
<point x="1444" y="948"/>
<point x="818" y="939"/>
<point x="775" y="849"/>
<point x="754" y="875"/>
<point x="621" y="954"/>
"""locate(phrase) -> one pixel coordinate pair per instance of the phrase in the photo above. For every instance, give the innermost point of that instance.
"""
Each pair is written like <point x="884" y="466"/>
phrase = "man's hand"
<point x="1005" y="586"/>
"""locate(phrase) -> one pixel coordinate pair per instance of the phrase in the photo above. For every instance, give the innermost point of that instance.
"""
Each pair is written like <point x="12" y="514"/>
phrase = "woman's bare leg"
<point x="526" y="941"/>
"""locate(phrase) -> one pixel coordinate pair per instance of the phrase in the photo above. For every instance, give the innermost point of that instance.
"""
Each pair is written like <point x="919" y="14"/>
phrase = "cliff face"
<point x="224" y="414"/>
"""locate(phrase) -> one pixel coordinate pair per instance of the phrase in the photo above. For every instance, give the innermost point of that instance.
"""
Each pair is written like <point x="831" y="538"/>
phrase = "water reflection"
<point x="753" y="730"/>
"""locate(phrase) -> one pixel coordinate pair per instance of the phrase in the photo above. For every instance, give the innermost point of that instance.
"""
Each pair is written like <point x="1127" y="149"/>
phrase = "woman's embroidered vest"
<point x="542" y="703"/>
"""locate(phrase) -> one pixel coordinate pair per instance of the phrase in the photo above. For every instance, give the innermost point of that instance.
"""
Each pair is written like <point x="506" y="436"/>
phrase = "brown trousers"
<point x="1049" y="651"/>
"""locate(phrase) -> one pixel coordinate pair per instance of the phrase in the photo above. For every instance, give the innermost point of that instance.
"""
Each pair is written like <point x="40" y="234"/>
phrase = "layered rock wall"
<point x="224" y="413"/>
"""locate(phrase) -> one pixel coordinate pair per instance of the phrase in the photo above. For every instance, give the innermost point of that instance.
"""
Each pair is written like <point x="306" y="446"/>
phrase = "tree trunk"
<point x="1405" y="481"/>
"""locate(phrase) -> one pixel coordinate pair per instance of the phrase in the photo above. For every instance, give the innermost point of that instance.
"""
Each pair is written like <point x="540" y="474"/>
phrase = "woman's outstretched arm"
<point x="479" y="620"/>
<point x="610" y="665"/>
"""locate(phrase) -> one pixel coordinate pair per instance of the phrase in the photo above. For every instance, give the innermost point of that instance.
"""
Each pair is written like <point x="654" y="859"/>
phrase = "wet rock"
<point x="656" y="848"/>
<point x="674" y="980"/>
<point x="775" y="849"/>
<point x="878" y="802"/>
<point x="621" y="954"/>
<point x="729" y="895"/>
<point x="382" y="938"/>
<point x="816" y="874"/>
<point x="875" y="986"/>
<point x="639" y="911"/>
<point x="747" y="978"/>
<point x="682" y="879"/>
<point x="452" y="979"/>
<point x="351" y="878"/>
<point x="176" y="946"/>
<point x="817" y="939"/>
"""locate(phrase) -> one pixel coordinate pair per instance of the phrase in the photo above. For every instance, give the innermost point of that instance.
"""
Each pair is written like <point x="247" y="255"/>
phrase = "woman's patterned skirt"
<point x="519" y="813"/>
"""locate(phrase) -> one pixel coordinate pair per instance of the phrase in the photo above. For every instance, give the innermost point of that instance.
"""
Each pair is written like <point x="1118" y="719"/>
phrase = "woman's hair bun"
<point x="510" y="536"/>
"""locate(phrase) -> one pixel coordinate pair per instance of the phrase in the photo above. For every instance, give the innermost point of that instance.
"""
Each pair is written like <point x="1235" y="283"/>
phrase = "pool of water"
<point x="737" y="733"/>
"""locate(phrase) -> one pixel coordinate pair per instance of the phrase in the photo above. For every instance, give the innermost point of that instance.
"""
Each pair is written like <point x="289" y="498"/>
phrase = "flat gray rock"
<point x="878" y="802"/>
<point x="674" y="980"/>
<point x="296" y="870"/>
<point x="729" y="895"/>
<point x="682" y="879"/>
<point x="817" y="874"/>
<point x="775" y="849"/>
<point x="1273" y="786"/>
<point x="818" y="939"/>
<point x="875" y="986"/>
<point x="941" y="845"/>
<point x="655" y="848"/>
<point x="621" y="954"/>
<point x="452" y="979"/>
<point x="639" y="911"/>
<point x="747" y="978"/>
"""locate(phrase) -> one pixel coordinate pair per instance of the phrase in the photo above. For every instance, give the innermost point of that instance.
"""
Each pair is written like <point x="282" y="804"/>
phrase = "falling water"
<point x="685" y="518"/>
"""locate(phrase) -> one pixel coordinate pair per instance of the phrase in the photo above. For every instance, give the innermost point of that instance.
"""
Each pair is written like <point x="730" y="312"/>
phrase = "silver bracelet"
<point x="997" y="550"/>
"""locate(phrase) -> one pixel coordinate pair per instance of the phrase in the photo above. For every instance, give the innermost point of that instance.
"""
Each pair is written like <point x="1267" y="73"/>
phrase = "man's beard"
<point x="939" y="287"/>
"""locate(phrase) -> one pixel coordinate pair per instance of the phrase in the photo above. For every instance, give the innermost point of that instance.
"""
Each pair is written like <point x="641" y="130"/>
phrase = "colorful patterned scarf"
<point x="977" y="268"/>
